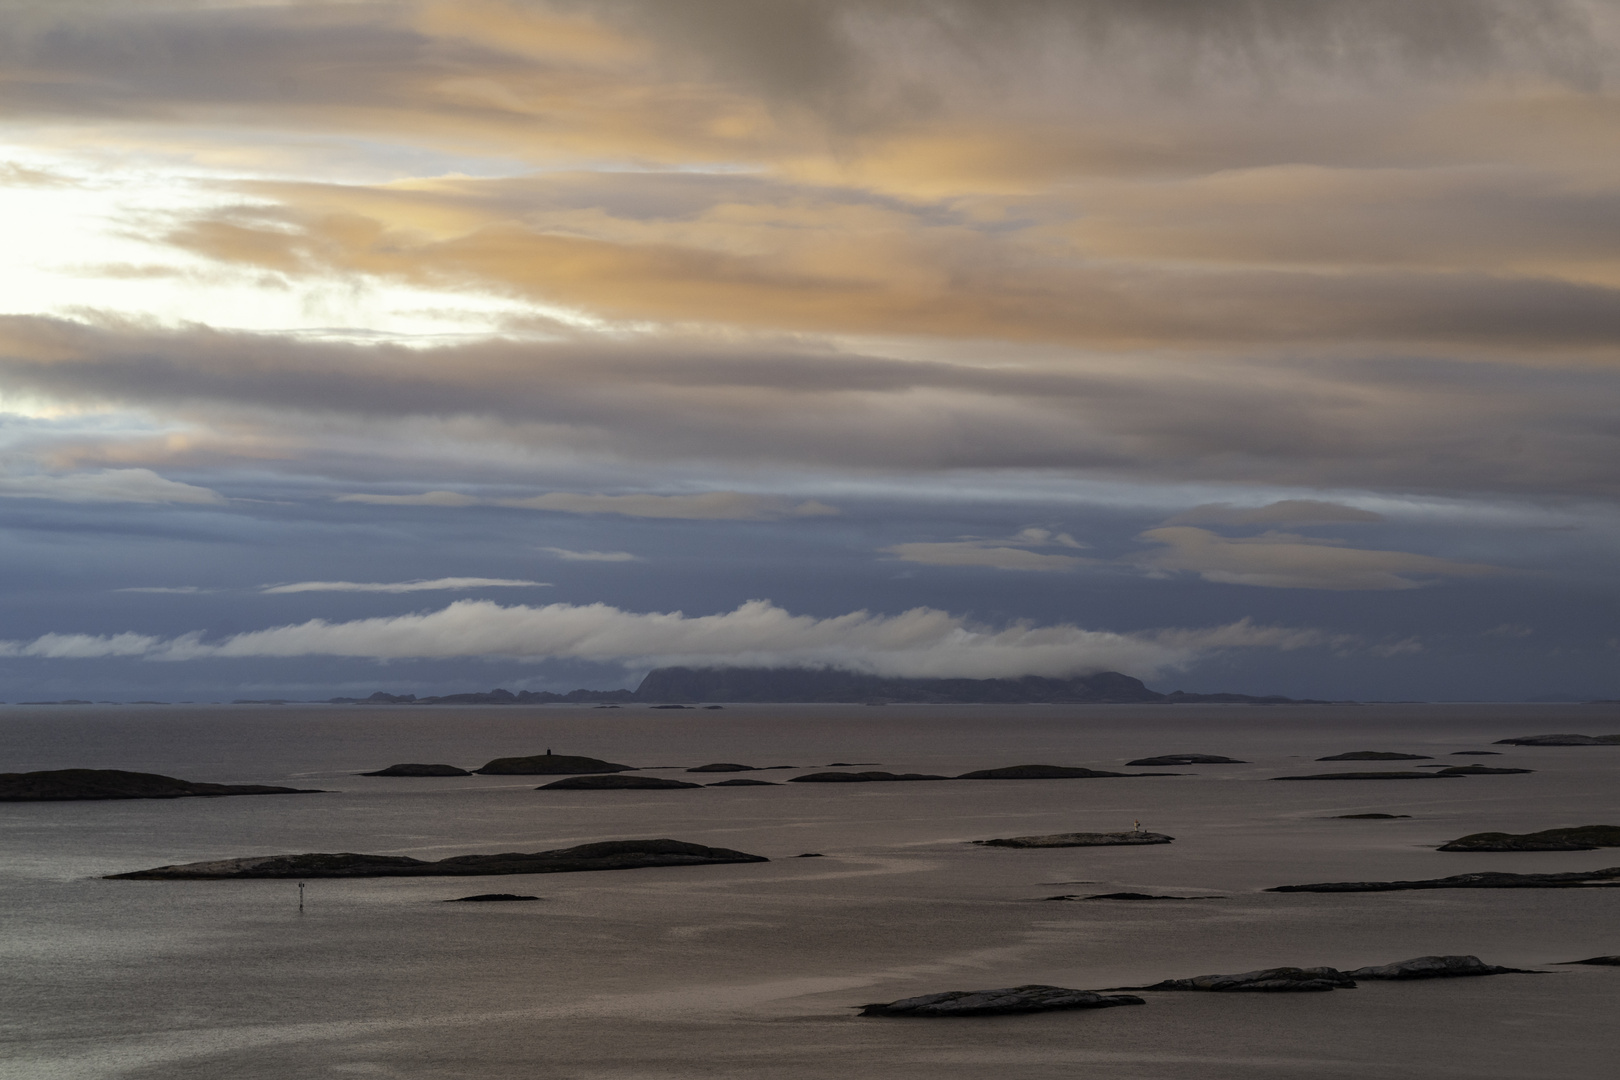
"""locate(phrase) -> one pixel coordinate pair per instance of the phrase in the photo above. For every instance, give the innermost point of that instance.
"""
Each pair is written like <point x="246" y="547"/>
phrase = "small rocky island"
<point x="69" y="785"/>
<point x="1079" y="839"/>
<point x="1583" y="838"/>
<point x="419" y="770"/>
<point x="614" y="783"/>
<point x="1561" y="740"/>
<point x="860" y="777"/>
<point x="1609" y="877"/>
<point x="1441" y="774"/>
<point x="1317" y="979"/>
<point x="1186" y="759"/>
<point x="1012" y="999"/>
<point x="1046" y="772"/>
<point x="1375" y="755"/>
<point x="609" y="855"/>
<point x="549" y="764"/>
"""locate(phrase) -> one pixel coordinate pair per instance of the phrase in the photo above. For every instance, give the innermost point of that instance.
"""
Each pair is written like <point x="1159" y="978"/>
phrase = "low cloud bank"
<point x="436" y="584"/>
<point x="704" y="506"/>
<point x="922" y="642"/>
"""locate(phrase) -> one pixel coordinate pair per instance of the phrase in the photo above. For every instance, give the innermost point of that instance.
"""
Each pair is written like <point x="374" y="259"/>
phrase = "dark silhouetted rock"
<point x="1045" y="772"/>
<point x="1372" y="776"/>
<point x="1476" y="753"/>
<point x="723" y="766"/>
<point x="1490" y="880"/>
<point x="550" y="765"/>
<point x="1079" y="839"/>
<point x="419" y="770"/>
<point x="490" y="898"/>
<point x="680" y="684"/>
<point x="714" y="706"/>
<point x="609" y="855"/>
<point x="1478" y="770"/>
<point x="1013" y="999"/>
<point x="1434" y="967"/>
<point x="1266" y="980"/>
<point x="744" y="783"/>
<point x="1369" y="817"/>
<point x="1187" y="759"/>
<point x="1375" y="755"/>
<point x="1596" y="961"/>
<point x="613" y="783"/>
<point x="670" y="706"/>
<point x="1584" y="838"/>
<point x="70" y="785"/>
<point x="860" y="777"/>
<point x="1127" y="896"/>
<point x="1561" y="740"/>
<point x="810" y="855"/>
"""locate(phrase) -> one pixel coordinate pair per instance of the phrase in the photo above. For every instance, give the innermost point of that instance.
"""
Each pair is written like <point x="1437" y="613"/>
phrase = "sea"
<point x="758" y="970"/>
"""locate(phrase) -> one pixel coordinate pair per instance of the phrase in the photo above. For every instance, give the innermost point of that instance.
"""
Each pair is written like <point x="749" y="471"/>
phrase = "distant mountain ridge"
<point x="683" y="685"/>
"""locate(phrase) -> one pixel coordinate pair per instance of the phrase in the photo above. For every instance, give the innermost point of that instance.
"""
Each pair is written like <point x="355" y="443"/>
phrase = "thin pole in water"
<point x="300" y="898"/>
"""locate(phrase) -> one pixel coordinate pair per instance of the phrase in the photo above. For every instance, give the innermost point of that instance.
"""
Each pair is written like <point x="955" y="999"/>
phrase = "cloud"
<point x="1007" y="554"/>
<point x="427" y="498"/>
<point x="1285" y="561"/>
<point x="922" y="642"/>
<point x="1288" y="512"/>
<point x="707" y="506"/>
<point x="178" y="589"/>
<point x="434" y="585"/>
<point x="591" y="556"/>
<point x="108" y="485"/>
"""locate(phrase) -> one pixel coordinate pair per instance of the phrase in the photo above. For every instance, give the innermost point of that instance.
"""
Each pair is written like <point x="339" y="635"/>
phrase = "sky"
<point x="1244" y="345"/>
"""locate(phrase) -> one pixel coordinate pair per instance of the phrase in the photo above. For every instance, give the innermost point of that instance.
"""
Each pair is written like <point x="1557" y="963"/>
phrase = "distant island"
<point x="681" y="685"/>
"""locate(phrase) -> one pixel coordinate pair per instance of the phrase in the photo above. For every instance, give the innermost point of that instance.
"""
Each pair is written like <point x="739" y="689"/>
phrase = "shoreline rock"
<point x="1375" y="755"/>
<point x="1582" y="838"/>
<point x="1435" y="967"/>
<point x="1186" y="759"/>
<point x="82" y="785"/>
<point x="1561" y="740"/>
<point x="1285" y="980"/>
<point x="859" y="777"/>
<point x="1373" y="776"/>
<point x="1606" y="878"/>
<point x="608" y="855"/>
<point x="1368" y="817"/>
<point x="490" y="897"/>
<point x="615" y="783"/>
<point x="549" y="764"/>
<point x="1596" y="961"/>
<point x="1006" y="1001"/>
<point x="419" y="770"/>
<point x="1078" y="839"/>
<point x="1046" y="772"/>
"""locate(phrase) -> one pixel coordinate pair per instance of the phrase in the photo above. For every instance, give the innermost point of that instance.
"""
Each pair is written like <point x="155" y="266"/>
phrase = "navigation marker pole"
<point x="300" y="898"/>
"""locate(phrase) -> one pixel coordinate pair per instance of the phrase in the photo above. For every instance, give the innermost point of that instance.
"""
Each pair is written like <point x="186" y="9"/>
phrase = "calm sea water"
<point x="750" y="970"/>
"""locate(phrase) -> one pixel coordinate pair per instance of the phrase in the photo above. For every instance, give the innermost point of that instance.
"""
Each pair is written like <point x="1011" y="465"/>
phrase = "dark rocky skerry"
<point x="1078" y="839"/>
<point x="608" y="855"/>
<point x="419" y="770"/>
<point x="1046" y="772"/>
<point x="490" y="898"/>
<point x="1561" y="740"/>
<point x="1606" y="878"/>
<point x="1375" y="755"/>
<point x="549" y="764"/>
<point x="1581" y="838"/>
<point x="859" y="777"/>
<point x="73" y="785"/>
<point x="1012" y="999"/>
<point x="614" y="783"/>
<point x="1594" y="961"/>
<point x="1442" y="774"/>
<point x="1316" y="979"/>
<point x="1369" y="817"/>
<point x="1186" y="759"/>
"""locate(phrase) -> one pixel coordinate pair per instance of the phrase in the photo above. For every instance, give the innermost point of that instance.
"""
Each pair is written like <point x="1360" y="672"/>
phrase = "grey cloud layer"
<point x="1403" y="426"/>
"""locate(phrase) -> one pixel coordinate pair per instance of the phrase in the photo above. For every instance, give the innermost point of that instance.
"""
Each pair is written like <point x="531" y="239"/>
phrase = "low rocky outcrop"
<point x="549" y="764"/>
<point x="609" y="855"/>
<point x="744" y="783"/>
<point x="1561" y="740"/>
<point x="1375" y="755"/>
<point x="1371" y="776"/>
<point x="1596" y="961"/>
<point x="1046" y="772"/>
<point x="419" y="770"/>
<point x="1369" y="817"/>
<point x="1012" y="999"/>
<point x="490" y="898"/>
<point x="1476" y="753"/>
<point x="860" y="777"/>
<point x="1479" y="770"/>
<point x="613" y="783"/>
<point x="1079" y="839"/>
<point x="1126" y="896"/>
<point x="1583" y="838"/>
<point x="1287" y="980"/>
<point x="1490" y="880"/>
<point x="1435" y="967"/>
<point x="72" y="785"/>
<point x="1186" y="759"/>
<point x="723" y="766"/>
